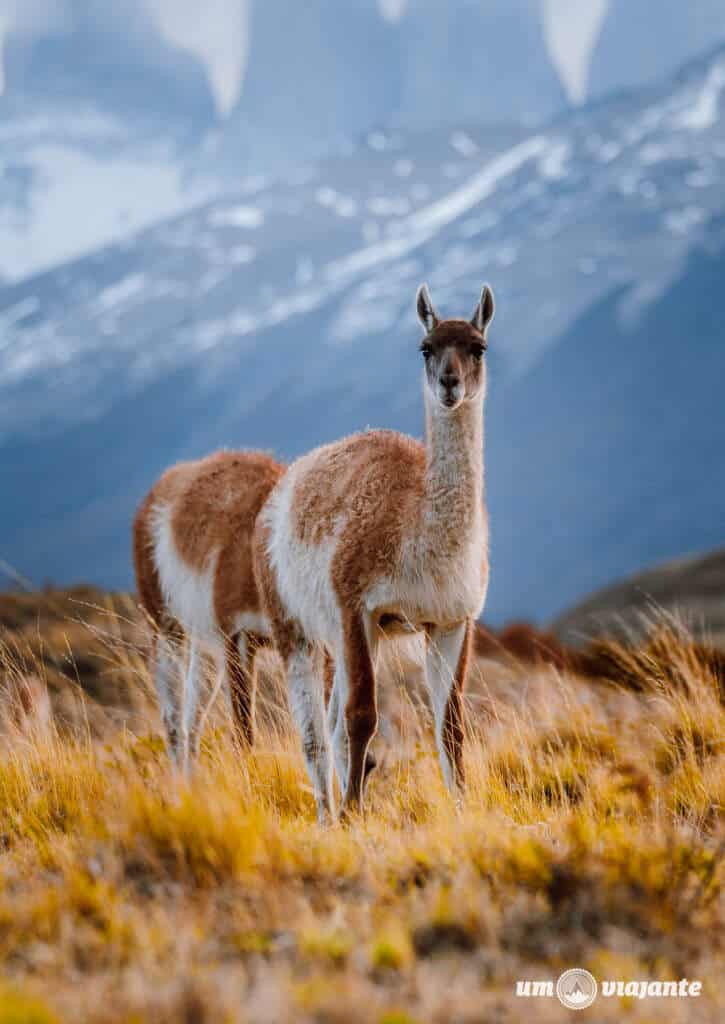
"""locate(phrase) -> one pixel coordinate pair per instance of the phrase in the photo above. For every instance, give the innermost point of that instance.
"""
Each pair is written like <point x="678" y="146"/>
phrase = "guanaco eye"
<point x="427" y="351"/>
<point x="477" y="352"/>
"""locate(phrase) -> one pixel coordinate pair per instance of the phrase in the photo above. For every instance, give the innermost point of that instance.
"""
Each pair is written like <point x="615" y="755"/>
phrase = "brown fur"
<point x="361" y="711"/>
<point x="386" y="472"/>
<point x="148" y="584"/>
<point x="216" y="510"/>
<point x="328" y="674"/>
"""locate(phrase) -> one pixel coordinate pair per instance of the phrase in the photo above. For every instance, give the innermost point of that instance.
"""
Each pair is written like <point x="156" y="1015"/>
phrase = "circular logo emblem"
<point x="576" y="989"/>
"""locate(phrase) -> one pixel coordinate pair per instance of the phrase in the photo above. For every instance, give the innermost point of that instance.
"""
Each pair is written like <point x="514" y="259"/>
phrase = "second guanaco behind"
<point x="192" y="541"/>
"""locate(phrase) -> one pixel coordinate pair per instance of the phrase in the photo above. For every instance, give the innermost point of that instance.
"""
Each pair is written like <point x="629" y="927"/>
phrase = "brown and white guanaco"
<point x="375" y="534"/>
<point x="192" y="542"/>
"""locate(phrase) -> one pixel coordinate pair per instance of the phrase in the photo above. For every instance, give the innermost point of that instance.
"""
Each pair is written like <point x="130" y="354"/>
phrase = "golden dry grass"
<point x="591" y="835"/>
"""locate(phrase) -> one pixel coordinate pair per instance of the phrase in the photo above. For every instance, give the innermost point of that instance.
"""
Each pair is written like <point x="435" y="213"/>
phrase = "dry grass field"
<point x="592" y="834"/>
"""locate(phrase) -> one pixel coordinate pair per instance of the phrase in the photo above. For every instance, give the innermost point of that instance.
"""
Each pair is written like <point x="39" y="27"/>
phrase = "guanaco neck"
<point x="453" y="504"/>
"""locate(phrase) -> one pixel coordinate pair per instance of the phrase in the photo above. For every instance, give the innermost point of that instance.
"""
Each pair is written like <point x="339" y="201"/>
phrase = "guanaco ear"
<point x="426" y="314"/>
<point x="483" y="314"/>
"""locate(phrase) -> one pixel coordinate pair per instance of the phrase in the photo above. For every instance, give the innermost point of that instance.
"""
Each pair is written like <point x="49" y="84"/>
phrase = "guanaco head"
<point x="453" y="350"/>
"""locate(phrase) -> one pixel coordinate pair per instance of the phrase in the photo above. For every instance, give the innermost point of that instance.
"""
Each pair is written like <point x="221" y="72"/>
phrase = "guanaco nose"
<point x="450" y="379"/>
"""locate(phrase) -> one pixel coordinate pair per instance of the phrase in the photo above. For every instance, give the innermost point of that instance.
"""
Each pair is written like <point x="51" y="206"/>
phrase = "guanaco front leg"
<point x="446" y="668"/>
<point x="307" y="704"/>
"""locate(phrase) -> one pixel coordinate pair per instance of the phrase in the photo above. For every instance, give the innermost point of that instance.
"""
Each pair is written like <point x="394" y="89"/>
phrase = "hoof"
<point x="350" y="811"/>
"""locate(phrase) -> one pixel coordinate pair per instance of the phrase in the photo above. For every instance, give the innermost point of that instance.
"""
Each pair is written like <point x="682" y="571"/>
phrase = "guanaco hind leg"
<point x="337" y="727"/>
<point x="359" y="706"/>
<point x="167" y="681"/>
<point x="191" y="713"/>
<point x="240" y="665"/>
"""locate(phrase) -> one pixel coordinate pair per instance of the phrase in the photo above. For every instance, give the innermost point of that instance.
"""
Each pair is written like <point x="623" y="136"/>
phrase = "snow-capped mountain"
<point x="137" y="111"/>
<point x="281" y="316"/>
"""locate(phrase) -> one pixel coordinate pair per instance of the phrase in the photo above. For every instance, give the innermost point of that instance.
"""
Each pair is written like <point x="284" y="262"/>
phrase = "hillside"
<point x="689" y="589"/>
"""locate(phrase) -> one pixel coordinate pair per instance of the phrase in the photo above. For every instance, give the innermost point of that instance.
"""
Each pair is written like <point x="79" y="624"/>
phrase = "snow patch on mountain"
<point x="219" y="37"/>
<point x="126" y="191"/>
<point x="385" y="259"/>
<point x="237" y="217"/>
<point x="703" y="113"/>
<point x="392" y="10"/>
<point x="425" y="223"/>
<point x="571" y="30"/>
<point x="122" y="291"/>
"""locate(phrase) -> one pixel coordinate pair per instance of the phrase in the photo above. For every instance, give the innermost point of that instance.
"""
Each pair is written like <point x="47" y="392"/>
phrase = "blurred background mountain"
<point x="213" y="220"/>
